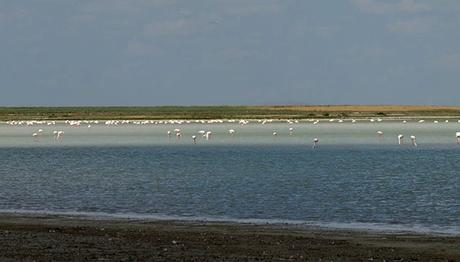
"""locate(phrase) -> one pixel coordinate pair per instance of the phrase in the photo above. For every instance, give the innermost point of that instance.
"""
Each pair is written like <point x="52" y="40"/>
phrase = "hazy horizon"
<point x="229" y="52"/>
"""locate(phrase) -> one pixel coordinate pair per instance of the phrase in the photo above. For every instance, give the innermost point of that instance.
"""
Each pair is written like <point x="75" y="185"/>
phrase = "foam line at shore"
<point x="355" y="226"/>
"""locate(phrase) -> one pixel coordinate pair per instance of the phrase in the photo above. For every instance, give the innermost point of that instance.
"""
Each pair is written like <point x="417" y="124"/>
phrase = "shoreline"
<point x="45" y="237"/>
<point x="358" y="227"/>
<point x="101" y="121"/>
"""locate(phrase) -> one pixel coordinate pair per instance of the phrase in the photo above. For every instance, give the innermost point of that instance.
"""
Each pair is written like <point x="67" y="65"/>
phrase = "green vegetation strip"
<point x="218" y="112"/>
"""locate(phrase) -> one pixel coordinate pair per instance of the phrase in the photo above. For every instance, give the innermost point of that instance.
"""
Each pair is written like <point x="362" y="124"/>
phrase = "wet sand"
<point x="61" y="238"/>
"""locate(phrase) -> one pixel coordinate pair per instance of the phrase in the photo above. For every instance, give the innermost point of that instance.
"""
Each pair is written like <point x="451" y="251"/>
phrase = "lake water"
<point x="354" y="179"/>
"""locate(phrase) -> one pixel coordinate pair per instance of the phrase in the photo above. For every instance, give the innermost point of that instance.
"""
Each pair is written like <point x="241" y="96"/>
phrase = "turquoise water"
<point x="354" y="179"/>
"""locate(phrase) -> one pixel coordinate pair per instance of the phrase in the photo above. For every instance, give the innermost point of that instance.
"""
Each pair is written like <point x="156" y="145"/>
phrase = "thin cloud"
<point x="250" y="8"/>
<point x="122" y="6"/>
<point x="182" y="26"/>
<point x="449" y="61"/>
<point x="382" y="7"/>
<point x="412" y="26"/>
<point x="377" y="52"/>
<point x="323" y="31"/>
<point x="178" y="27"/>
<point x="137" y="48"/>
<point x="14" y="15"/>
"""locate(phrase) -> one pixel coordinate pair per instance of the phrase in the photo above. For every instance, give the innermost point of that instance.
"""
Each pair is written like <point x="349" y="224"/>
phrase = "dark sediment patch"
<point x="44" y="238"/>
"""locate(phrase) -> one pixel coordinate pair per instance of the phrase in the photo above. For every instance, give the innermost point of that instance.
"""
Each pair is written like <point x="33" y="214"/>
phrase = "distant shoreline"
<point x="227" y="112"/>
<point x="48" y="237"/>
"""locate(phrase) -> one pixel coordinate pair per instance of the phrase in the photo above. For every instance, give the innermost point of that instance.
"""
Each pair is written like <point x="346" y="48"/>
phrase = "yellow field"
<point x="361" y="108"/>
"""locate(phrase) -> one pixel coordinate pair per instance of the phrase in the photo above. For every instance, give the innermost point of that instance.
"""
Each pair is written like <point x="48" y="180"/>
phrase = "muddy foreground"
<point x="44" y="238"/>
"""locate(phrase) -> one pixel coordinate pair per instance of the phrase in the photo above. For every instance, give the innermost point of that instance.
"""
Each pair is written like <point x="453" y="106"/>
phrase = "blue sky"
<point x="210" y="52"/>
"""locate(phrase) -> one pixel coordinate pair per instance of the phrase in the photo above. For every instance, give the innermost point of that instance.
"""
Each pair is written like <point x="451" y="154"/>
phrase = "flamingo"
<point x="400" y="139"/>
<point x="315" y="143"/>
<point x="58" y="134"/>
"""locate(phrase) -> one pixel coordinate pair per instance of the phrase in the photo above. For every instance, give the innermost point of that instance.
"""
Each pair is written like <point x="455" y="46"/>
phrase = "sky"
<point x="232" y="52"/>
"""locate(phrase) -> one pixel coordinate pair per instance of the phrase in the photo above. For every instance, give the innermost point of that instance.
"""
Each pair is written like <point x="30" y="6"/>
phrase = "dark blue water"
<point x="386" y="185"/>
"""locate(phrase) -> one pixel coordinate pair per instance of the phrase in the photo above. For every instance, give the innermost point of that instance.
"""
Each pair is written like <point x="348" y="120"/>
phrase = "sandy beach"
<point x="50" y="237"/>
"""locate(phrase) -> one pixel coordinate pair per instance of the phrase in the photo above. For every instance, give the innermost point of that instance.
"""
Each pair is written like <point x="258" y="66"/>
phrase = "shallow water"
<point x="354" y="179"/>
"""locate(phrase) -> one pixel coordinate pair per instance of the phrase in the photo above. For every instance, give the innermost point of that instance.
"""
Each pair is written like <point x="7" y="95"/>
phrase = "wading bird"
<point x="208" y="135"/>
<point x="400" y="139"/>
<point x="414" y="140"/>
<point x="315" y="143"/>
